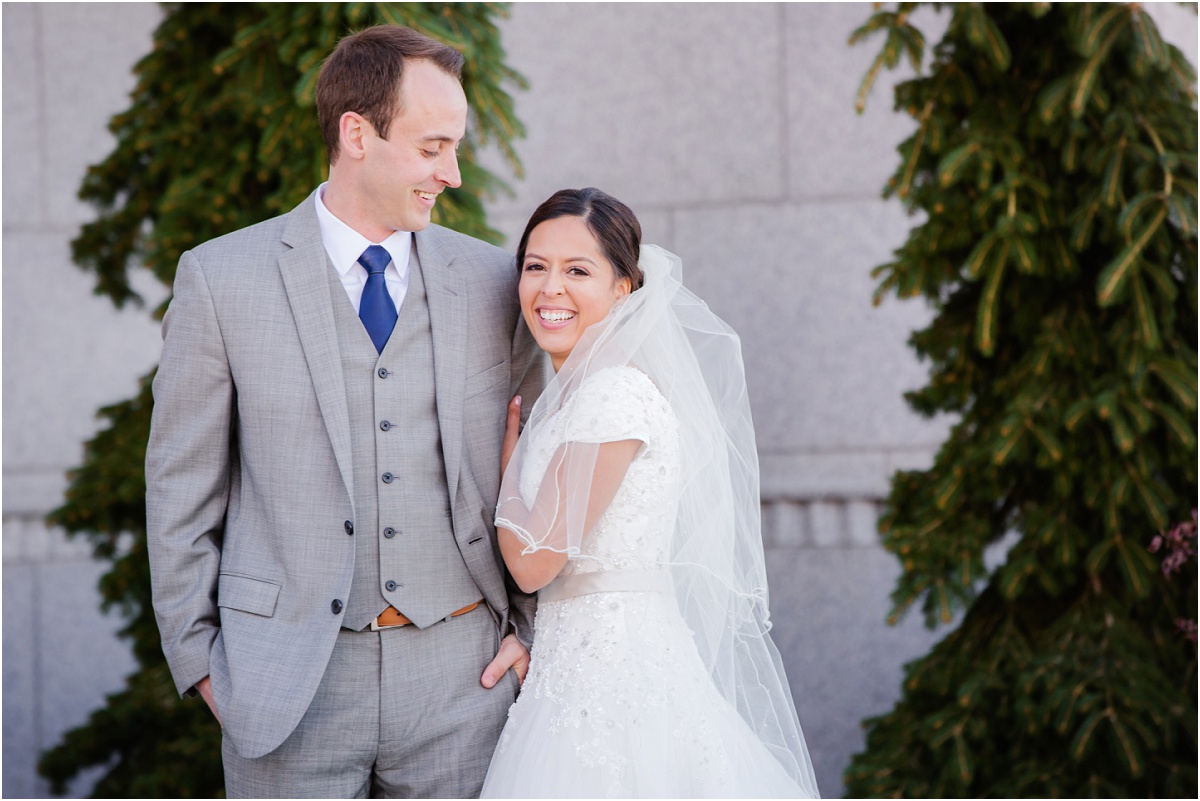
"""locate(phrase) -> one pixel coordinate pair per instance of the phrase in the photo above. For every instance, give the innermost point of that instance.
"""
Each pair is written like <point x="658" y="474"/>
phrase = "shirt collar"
<point x="344" y="245"/>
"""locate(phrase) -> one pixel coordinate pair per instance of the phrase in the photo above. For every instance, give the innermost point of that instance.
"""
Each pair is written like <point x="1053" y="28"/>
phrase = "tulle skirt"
<point x="617" y="704"/>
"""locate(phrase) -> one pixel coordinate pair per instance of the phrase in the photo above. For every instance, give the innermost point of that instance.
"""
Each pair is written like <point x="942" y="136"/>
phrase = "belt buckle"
<point x="376" y="627"/>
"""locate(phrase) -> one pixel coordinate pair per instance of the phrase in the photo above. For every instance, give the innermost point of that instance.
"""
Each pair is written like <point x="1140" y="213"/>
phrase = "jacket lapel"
<point x="446" y="295"/>
<point x="305" y="278"/>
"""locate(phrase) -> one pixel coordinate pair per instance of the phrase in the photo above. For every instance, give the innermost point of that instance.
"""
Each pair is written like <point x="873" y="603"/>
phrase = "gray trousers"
<point x="399" y="713"/>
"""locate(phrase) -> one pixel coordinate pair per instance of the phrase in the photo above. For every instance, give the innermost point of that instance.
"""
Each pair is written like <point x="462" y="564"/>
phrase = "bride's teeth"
<point x="555" y="316"/>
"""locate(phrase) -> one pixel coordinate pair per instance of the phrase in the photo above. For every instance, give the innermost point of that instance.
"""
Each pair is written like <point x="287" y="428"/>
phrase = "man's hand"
<point x="511" y="655"/>
<point x="204" y="687"/>
<point x="512" y="432"/>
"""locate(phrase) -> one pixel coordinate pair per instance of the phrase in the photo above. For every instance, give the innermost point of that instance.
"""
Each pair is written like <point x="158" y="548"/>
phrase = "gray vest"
<point x="405" y="553"/>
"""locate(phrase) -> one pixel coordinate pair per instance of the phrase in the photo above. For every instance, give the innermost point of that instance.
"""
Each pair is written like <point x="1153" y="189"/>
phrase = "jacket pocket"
<point x="489" y="378"/>
<point x="247" y="594"/>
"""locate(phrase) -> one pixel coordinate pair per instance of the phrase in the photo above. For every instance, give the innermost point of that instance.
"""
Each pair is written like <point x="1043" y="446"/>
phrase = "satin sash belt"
<point x="578" y="584"/>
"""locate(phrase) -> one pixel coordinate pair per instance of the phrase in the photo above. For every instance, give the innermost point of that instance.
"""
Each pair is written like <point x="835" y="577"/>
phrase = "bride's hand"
<point x="511" y="655"/>
<point x="512" y="430"/>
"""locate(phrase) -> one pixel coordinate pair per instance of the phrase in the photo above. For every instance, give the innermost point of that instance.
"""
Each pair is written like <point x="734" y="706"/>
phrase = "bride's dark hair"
<point x="614" y="225"/>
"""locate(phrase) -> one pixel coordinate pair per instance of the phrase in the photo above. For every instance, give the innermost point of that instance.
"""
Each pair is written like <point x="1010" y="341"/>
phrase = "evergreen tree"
<point x="1053" y="169"/>
<point x="221" y="133"/>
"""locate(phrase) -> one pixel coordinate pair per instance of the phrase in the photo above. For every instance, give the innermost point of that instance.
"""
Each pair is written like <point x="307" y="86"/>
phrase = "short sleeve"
<point x="612" y="405"/>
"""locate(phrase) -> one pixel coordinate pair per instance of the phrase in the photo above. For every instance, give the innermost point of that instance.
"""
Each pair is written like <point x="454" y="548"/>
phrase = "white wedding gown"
<point x="617" y="702"/>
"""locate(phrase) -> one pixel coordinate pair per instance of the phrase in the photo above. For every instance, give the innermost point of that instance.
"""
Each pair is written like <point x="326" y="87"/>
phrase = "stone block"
<point x="862" y="523"/>
<point x="658" y="103"/>
<point x="806" y="476"/>
<point x="842" y="660"/>
<point x="28" y="540"/>
<point x="23" y="116"/>
<point x="81" y="659"/>
<point x="21" y="723"/>
<point x="49" y="689"/>
<point x="25" y="540"/>
<point x="827" y="524"/>
<point x="826" y="370"/>
<point x="31" y="490"/>
<point x="1177" y="24"/>
<point x="86" y="80"/>
<point x="833" y="152"/>
<point x="785" y="525"/>
<point x="61" y="654"/>
<point x="66" y="353"/>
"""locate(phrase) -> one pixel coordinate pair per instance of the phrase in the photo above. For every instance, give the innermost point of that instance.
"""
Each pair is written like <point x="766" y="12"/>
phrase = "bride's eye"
<point x="579" y="271"/>
<point x="531" y="266"/>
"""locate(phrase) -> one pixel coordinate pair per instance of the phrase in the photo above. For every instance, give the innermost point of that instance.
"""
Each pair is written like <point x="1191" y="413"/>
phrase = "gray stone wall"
<point x="729" y="129"/>
<point x="66" y="353"/>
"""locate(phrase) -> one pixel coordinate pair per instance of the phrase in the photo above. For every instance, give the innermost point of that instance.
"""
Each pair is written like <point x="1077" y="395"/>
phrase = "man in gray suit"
<point x="324" y="460"/>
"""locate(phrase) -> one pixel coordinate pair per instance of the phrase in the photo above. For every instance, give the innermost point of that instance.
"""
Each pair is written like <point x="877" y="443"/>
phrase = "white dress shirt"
<point x="344" y="245"/>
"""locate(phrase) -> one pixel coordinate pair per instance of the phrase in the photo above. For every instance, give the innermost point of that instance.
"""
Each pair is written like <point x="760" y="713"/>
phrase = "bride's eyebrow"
<point x="529" y="255"/>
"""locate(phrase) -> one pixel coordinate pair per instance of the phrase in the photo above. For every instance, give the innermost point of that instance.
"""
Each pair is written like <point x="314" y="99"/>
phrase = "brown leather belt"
<point x="391" y="617"/>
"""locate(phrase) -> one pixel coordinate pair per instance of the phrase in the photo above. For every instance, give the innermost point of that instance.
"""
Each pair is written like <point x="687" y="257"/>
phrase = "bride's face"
<point x="566" y="285"/>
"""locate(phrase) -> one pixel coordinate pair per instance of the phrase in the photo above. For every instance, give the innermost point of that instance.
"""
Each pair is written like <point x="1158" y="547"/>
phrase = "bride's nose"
<point x="553" y="285"/>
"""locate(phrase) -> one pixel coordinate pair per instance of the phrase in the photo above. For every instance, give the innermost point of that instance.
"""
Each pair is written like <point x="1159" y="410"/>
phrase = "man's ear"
<point x="353" y="129"/>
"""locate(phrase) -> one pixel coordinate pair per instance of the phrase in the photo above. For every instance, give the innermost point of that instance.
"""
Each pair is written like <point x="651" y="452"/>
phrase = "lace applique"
<point x="614" y="404"/>
<point x="601" y="663"/>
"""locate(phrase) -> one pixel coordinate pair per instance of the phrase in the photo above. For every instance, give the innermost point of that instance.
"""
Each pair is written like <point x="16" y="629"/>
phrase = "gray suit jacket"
<point x="248" y="475"/>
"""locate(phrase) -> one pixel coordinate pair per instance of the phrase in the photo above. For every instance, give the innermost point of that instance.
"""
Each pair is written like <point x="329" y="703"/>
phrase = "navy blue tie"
<point x="376" y="309"/>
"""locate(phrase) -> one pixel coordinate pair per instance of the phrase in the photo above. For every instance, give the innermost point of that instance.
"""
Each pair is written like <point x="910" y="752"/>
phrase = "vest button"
<point x="383" y="372"/>
<point x="349" y="527"/>
<point x="391" y="586"/>
<point x="336" y="606"/>
<point x="387" y="478"/>
<point x="389" y="532"/>
<point x="385" y="425"/>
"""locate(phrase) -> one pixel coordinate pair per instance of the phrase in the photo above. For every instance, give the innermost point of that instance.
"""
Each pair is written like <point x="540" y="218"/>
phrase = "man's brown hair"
<point x="363" y="73"/>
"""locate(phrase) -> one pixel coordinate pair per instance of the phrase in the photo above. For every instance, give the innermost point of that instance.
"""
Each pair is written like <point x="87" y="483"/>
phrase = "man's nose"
<point x="448" y="172"/>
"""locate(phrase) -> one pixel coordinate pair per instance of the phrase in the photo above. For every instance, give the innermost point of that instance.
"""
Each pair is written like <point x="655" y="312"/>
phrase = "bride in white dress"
<point x="630" y="503"/>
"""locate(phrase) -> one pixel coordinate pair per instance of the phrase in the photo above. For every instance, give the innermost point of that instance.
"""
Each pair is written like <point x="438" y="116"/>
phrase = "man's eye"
<point x="429" y="154"/>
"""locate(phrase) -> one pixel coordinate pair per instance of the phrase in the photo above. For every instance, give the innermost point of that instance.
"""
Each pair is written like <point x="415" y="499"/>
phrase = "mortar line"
<point x="43" y="156"/>
<point x="785" y="140"/>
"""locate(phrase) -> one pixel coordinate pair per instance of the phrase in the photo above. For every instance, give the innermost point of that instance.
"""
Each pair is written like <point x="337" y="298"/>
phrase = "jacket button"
<point x="336" y="606"/>
<point x="387" y="478"/>
<point x="349" y="527"/>
<point x="385" y="425"/>
<point x="389" y="532"/>
<point x="383" y="372"/>
<point x="391" y="586"/>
